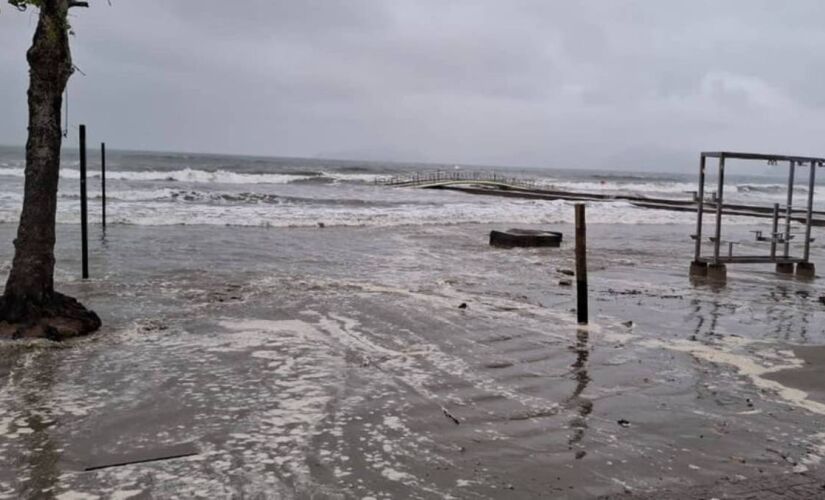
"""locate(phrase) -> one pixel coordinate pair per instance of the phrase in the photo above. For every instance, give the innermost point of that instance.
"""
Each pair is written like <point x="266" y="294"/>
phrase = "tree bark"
<point x="30" y="306"/>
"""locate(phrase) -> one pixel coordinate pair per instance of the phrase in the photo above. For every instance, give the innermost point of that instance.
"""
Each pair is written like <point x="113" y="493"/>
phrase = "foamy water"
<point x="175" y="189"/>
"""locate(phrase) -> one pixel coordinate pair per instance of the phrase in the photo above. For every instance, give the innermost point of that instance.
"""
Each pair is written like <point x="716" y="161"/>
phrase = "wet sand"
<point x="336" y="363"/>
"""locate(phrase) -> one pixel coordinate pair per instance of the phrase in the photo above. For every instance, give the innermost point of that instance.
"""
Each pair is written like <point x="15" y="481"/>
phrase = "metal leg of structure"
<point x="807" y="269"/>
<point x="774" y="230"/>
<point x="783" y="267"/>
<point x="789" y="209"/>
<point x="697" y="268"/>
<point x="719" y="201"/>
<point x="809" y="221"/>
<point x="700" y="210"/>
<point x="717" y="271"/>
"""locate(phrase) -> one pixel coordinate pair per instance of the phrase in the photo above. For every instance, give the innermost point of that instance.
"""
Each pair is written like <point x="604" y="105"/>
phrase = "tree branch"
<point x="75" y="3"/>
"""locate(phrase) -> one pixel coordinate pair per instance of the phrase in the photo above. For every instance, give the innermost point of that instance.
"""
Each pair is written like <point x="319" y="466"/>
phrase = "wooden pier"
<point x="494" y="184"/>
<point x="441" y="179"/>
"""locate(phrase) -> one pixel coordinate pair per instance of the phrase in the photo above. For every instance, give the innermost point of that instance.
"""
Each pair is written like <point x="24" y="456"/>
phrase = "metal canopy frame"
<point x="776" y="236"/>
<point x="759" y="156"/>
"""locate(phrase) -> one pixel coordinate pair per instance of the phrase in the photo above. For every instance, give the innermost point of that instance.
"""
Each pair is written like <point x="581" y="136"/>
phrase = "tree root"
<point x="59" y="318"/>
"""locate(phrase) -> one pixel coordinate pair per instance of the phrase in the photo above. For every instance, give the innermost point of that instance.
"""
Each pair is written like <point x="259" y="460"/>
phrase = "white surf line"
<point x="816" y="446"/>
<point x="747" y="367"/>
<point x="815" y="453"/>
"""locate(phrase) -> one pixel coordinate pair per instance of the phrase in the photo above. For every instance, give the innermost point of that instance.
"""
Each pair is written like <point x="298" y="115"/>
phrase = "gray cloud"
<point x="620" y="84"/>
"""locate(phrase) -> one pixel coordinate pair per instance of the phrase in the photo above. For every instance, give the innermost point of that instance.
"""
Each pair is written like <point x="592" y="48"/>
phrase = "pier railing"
<point x="444" y="178"/>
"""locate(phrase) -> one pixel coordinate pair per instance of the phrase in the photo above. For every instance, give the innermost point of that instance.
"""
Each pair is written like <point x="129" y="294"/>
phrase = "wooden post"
<point x="581" y="264"/>
<point x="103" y="183"/>
<point x="84" y="230"/>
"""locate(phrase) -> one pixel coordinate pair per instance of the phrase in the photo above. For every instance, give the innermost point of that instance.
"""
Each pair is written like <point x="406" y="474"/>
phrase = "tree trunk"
<point x="30" y="307"/>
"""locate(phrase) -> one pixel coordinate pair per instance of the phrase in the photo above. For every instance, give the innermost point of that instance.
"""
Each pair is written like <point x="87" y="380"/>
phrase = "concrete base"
<point x="784" y="268"/>
<point x="717" y="272"/>
<point x="806" y="270"/>
<point x="698" y="269"/>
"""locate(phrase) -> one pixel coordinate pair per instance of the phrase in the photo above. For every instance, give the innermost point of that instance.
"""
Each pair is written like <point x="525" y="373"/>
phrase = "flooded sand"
<point x="336" y="363"/>
<point x="808" y="376"/>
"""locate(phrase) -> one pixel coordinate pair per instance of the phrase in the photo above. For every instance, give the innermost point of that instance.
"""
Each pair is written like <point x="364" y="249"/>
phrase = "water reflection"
<point x="700" y="318"/>
<point x="706" y="322"/>
<point x="582" y="405"/>
<point x="787" y="314"/>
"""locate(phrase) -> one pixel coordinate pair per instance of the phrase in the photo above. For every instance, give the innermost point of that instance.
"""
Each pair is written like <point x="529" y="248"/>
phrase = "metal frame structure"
<point x="714" y="266"/>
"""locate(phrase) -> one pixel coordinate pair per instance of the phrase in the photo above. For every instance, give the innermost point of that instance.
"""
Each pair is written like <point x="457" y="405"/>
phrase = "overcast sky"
<point x="602" y="84"/>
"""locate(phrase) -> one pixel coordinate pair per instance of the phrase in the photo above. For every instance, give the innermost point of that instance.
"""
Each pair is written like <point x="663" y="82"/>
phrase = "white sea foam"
<point x="750" y="193"/>
<point x="662" y="187"/>
<point x="289" y="214"/>
<point x="193" y="176"/>
<point x="342" y="177"/>
<point x="184" y="175"/>
<point x="753" y="367"/>
<point x="11" y="172"/>
<point x="202" y="176"/>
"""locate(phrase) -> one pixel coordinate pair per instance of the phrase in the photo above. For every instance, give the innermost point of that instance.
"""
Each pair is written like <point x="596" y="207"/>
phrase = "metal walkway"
<point x="443" y="179"/>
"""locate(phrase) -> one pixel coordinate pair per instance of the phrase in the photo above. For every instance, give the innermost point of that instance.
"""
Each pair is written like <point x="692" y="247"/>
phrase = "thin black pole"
<point x="720" y="197"/>
<point x="581" y="264"/>
<point x="700" y="210"/>
<point x="103" y="182"/>
<point x="789" y="211"/>
<point x="810" y="215"/>
<point x="84" y="232"/>
<point x="774" y="230"/>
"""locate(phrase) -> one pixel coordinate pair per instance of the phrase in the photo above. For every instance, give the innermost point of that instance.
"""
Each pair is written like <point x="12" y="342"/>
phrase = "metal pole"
<point x="719" y="199"/>
<point x="789" y="208"/>
<point x="775" y="230"/>
<point x="809" y="222"/>
<point x="581" y="264"/>
<point x="103" y="182"/>
<point x="84" y="232"/>
<point x="700" y="210"/>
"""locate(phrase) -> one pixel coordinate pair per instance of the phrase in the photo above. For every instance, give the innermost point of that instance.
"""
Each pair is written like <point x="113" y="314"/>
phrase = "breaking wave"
<point x="195" y="176"/>
<point x="643" y="188"/>
<point x="291" y="214"/>
<point x="768" y="188"/>
<point x="193" y="197"/>
<point x="11" y="171"/>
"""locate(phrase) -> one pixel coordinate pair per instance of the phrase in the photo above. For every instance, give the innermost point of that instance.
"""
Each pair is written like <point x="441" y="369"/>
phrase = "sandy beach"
<point x="336" y="363"/>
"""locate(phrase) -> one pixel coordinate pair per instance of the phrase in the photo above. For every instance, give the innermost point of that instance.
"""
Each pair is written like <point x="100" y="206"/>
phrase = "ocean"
<point x="152" y="189"/>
